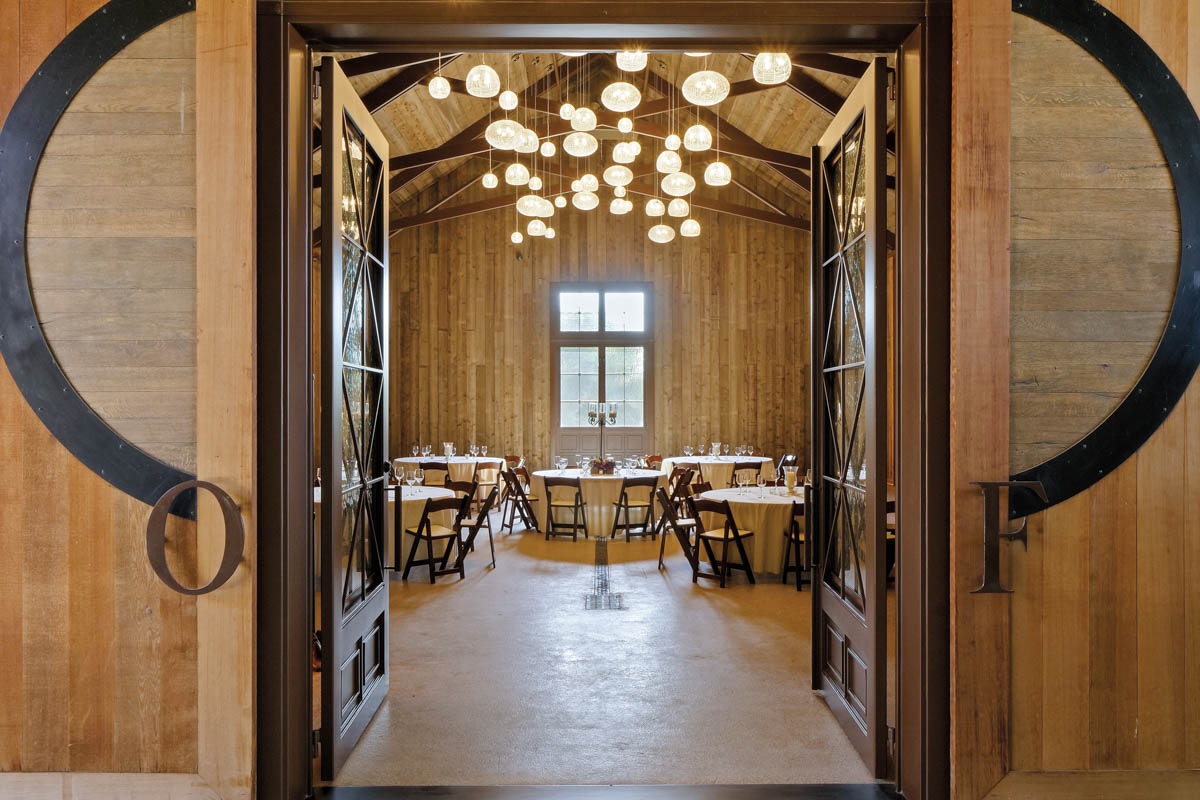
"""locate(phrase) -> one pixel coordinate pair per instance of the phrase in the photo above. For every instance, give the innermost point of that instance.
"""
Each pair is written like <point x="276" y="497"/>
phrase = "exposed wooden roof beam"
<point x="812" y="90"/>
<point x="700" y="200"/>
<point x="403" y="81"/>
<point x="377" y="62"/>
<point x="827" y="62"/>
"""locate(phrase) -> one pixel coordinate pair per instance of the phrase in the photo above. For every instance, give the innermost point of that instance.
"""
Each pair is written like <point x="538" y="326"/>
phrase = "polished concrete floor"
<point x="505" y="678"/>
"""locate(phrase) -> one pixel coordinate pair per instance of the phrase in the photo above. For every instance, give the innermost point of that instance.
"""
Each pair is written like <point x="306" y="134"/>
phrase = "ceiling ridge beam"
<point x="377" y="62"/>
<point x="812" y="90"/>
<point x="393" y="88"/>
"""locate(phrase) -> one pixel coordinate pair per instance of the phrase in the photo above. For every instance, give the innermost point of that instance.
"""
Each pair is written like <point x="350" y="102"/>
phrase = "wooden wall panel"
<point x="470" y="329"/>
<point x="111" y="242"/>
<point x="99" y="667"/>
<point x="1101" y="676"/>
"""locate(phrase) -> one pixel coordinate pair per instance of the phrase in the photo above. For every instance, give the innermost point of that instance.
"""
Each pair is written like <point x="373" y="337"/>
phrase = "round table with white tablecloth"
<point x="600" y="492"/>
<point x="485" y="469"/>
<point x="767" y="512"/>
<point x="718" y="470"/>
<point x="412" y="505"/>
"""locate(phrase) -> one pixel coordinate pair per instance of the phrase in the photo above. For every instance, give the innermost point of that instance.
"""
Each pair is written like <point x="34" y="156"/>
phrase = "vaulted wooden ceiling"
<point x="765" y="133"/>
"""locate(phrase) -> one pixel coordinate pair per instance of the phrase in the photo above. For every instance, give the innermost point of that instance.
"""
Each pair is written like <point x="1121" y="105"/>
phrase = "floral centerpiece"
<point x="603" y="466"/>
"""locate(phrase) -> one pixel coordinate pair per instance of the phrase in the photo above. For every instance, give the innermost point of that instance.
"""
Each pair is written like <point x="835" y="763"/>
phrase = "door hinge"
<point x="316" y="83"/>
<point x="316" y="743"/>
<point x="891" y="82"/>
<point x="891" y="743"/>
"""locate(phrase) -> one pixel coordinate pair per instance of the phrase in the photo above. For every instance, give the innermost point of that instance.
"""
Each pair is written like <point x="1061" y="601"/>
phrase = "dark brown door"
<point x="849" y="415"/>
<point x="354" y="274"/>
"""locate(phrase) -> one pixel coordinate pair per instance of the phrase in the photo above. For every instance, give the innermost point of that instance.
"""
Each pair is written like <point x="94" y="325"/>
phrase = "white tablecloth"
<point x="599" y="494"/>
<point x="461" y="468"/>
<point x="717" y="471"/>
<point x="767" y="512"/>
<point x="412" y="505"/>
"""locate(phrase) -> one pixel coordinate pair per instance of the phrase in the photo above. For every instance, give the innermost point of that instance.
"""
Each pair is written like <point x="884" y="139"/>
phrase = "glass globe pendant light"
<point x="618" y="175"/>
<point x="527" y="142"/>
<point x="560" y="202"/>
<point x="529" y="205"/>
<point x="772" y="68"/>
<point x="620" y="191"/>
<point x="697" y="55"/>
<point x="536" y="228"/>
<point x="508" y="99"/>
<point x="705" y="88"/>
<point x="589" y="182"/>
<point x="517" y="237"/>
<point x="678" y="184"/>
<point x="573" y="53"/>
<point x="482" y="81"/>
<point x="631" y="60"/>
<point x="661" y="234"/>
<point x="585" y="201"/>
<point x="678" y="207"/>
<point x="516" y="174"/>
<point x="655" y="207"/>
<point x="576" y="186"/>
<point x="535" y="183"/>
<point x="672" y="142"/>
<point x="717" y="174"/>
<point x="584" y="119"/>
<point x="618" y="207"/>
<point x="490" y="181"/>
<point x="580" y="144"/>
<point x="625" y="125"/>
<point x="503" y="134"/>
<point x="668" y="162"/>
<point x="635" y="147"/>
<point x="697" y="138"/>
<point x="566" y="111"/>
<point x="548" y="149"/>
<point x="622" y="153"/>
<point x="549" y="234"/>
<point x="620" y="97"/>
<point x="439" y="88"/>
<point x="689" y="228"/>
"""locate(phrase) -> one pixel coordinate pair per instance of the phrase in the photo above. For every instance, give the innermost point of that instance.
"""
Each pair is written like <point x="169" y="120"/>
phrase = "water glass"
<point x="716" y="449"/>
<point x="416" y="450"/>
<point x="725" y="449"/>
<point x="761" y="480"/>
<point x="418" y="475"/>
<point x="688" y="450"/>
<point x="483" y="450"/>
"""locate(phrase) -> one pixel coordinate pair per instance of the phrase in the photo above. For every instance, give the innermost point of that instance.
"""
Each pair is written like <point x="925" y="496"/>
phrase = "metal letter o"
<point x="156" y="537"/>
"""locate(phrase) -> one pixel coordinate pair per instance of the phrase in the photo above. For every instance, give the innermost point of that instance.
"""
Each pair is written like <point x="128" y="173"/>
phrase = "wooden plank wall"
<point x="470" y="334"/>
<point x="112" y="242"/>
<point x="99" y="666"/>
<point x="1106" y="615"/>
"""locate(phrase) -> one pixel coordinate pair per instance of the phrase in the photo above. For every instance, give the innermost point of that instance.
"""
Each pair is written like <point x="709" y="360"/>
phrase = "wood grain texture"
<point x="99" y="671"/>
<point x="471" y="328"/>
<point x="1128" y="636"/>
<point x="979" y="381"/>
<point x="226" y="408"/>
<point x="111" y="241"/>
<point x="1109" y="785"/>
<point x="1086" y="171"/>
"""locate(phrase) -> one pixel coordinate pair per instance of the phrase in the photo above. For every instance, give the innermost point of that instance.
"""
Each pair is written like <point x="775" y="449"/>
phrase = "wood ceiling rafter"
<point x="833" y="64"/>
<point x="812" y="90"/>
<point x="407" y="79"/>
<point x="377" y="62"/>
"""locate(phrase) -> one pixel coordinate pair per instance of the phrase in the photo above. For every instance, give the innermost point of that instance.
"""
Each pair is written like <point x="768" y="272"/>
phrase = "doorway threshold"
<point x="822" y="791"/>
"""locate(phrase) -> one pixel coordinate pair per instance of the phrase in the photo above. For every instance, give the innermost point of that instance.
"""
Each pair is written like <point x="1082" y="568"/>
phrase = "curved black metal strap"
<point x="1175" y="124"/>
<point x="29" y="358"/>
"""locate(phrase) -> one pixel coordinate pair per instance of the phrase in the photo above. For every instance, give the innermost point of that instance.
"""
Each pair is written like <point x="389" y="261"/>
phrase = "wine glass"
<point x="426" y="449"/>
<point x="761" y="480"/>
<point x="419" y="475"/>
<point x="688" y="450"/>
<point x="416" y="450"/>
<point x="483" y="450"/>
<point x="725" y="449"/>
<point x="473" y="450"/>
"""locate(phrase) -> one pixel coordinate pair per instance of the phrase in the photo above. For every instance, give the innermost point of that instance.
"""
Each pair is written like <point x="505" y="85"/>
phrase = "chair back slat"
<point x="462" y="488"/>
<point x="429" y="467"/>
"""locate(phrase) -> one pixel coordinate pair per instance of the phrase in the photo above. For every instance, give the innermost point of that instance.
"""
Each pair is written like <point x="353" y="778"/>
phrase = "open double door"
<point x="848" y="424"/>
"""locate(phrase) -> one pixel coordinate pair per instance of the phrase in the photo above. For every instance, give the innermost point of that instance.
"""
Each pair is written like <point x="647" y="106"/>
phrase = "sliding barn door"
<point x="849" y="415"/>
<point x="354" y="273"/>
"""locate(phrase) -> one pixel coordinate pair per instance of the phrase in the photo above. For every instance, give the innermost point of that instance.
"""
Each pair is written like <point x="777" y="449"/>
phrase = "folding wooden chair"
<point x="469" y="527"/>
<point x="798" y="540"/>
<point x="436" y="472"/>
<point x="684" y="528"/>
<point x="519" y="503"/>
<point x="677" y="484"/>
<point x="728" y="533"/>
<point x="575" y="504"/>
<point x="627" y="503"/>
<point x="426" y="531"/>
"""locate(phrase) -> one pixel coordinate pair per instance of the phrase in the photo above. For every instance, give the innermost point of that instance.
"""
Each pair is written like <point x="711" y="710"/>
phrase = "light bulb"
<point x="503" y="134"/>
<point x="672" y="142"/>
<point x="583" y="120"/>
<point x="668" y="162"/>
<point x="631" y="60"/>
<point x="517" y="237"/>
<point x="772" y="68"/>
<point x="560" y="201"/>
<point x="622" y="153"/>
<point x="548" y="149"/>
<point x="439" y="88"/>
<point x="566" y="111"/>
<point x="536" y="228"/>
<point x="678" y="207"/>
<point x="549" y="234"/>
<point x="490" y="181"/>
<point x="717" y="174"/>
<point x="579" y="144"/>
<point x="618" y="175"/>
<point x="697" y="138"/>
<point x="516" y="174"/>
<point x="508" y="99"/>
<point x="705" y="88"/>
<point x="624" y="124"/>
<point x="655" y="207"/>
<point x="661" y="233"/>
<point x="589" y="182"/>
<point x="482" y="81"/>
<point x="678" y="184"/>
<point x="535" y="183"/>
<point x="585" y="201"/>
<point x="620" y="191"/>
<point x="620" y="97"/>
<point x="689" y="228"/>
<point x="527" y="142"/>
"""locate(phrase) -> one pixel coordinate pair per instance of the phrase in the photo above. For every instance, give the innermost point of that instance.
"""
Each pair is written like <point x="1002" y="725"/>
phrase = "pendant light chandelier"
<point x="661" y="234"/>
<point x="668" y="162"/>
<point x="772" y="68"/>
<point x="620" y="97"/>
<point x="678" y="208"/>
<point x="584" y="119"/>
<point x="482" y="81"/>
<point x="697" y="138"/>
<point x="655" y="207"/>
<point x="516" y="174"/>
<point x="689" y="228"/>
<point x="631" y="60"/>
<point x="503" y="134"/>
<point x="585" y="201"/>
<point x="508" y="99"/>
<point x="705" y="88"/>
<point x="678" y="184"/>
